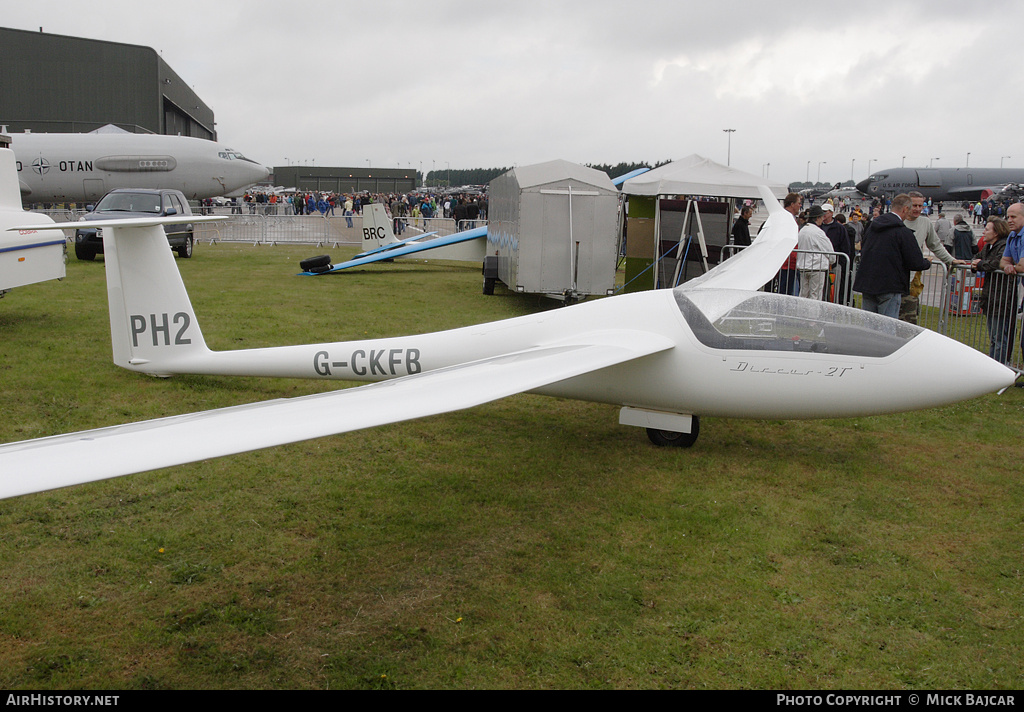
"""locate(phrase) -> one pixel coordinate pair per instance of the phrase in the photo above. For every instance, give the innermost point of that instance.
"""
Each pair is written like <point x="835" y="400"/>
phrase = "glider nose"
<point x="960" y="372"/>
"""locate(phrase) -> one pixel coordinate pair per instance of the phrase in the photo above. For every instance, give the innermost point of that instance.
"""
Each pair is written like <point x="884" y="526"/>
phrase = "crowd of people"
<point x="887" y="251"/>
<point x="464" y="208"/>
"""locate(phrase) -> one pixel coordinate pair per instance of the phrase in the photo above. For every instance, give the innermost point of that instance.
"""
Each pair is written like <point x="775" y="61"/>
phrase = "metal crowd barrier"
<point x="264" y="227"/>
<point x="838" y="287"/>
<point x="952" y="305"/>
<point x="258" y="229"/>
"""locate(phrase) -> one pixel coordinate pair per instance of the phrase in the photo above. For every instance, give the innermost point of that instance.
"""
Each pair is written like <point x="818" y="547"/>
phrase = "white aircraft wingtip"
<point x="770" y="201"/>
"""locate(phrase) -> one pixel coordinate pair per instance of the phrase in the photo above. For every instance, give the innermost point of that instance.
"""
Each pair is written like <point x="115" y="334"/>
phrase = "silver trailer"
<point x="552" y="230"/>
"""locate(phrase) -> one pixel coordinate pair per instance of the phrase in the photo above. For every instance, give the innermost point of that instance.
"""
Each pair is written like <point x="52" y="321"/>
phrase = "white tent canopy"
<point x="696" y="175"/>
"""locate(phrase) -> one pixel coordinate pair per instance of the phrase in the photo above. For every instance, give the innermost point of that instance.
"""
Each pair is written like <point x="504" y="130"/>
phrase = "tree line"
<point x="482" y="176"/>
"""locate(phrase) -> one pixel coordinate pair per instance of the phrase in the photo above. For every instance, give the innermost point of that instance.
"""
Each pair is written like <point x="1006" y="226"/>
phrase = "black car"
<point x="137" y="203"/>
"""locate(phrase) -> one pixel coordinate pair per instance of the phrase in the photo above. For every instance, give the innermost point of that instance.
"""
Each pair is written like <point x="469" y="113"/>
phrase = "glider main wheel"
<point x="186" y="249"/>
<point x="84" y="253"/>
<point x="312" y="263"/>
<point x="670" y="438"/>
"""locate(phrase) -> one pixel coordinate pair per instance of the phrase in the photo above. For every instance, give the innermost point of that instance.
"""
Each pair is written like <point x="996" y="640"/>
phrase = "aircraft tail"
<point x="10" y="188"/>
<point x="377" y="230"/>
<point x="153" y="328"/>
<point x="152" y="322"/>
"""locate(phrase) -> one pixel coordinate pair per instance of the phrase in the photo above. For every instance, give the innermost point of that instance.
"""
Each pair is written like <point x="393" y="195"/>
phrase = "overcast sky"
<point x="482" y="84"/>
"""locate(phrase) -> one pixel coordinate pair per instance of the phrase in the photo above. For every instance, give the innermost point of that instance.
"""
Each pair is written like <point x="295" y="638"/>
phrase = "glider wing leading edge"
<point x="755" y="266"/>
<point x="76" y="458"/>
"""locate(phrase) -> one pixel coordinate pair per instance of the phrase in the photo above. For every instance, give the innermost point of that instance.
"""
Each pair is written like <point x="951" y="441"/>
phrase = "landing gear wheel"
<point x="313" y="263"/>
<point x="670" y="438"/>
<point x="185" y="250"/>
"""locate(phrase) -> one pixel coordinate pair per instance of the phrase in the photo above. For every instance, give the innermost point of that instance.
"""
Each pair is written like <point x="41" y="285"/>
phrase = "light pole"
<point x="852" y="162"/>
<point x="870" y="160"/>
<point x="968" y="164"/>
<point x="768" y="172"/>
<point x="819" y="171"/>
<point x="903" y="163"/>
<point x="728" y="156"/>
<point x="932" y="159"/>
<point x="807" y="176"/>
<point x="1001" y="160"/>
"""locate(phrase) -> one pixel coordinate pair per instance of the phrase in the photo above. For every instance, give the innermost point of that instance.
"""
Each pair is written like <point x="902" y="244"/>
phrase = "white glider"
<point x="711" y="347"/>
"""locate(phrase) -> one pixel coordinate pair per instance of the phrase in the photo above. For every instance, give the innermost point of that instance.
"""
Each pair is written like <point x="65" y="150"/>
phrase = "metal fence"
<point x="261" y="228"/>
<point x="957" y="303"/>
<point x="837" y="286"/>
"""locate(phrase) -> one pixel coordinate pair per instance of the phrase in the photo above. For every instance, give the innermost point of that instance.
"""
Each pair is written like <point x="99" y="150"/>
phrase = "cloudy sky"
<point x="807" y="87"/>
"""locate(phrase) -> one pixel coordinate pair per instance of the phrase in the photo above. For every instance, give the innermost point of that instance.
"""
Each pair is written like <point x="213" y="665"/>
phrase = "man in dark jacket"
<point x="889" y="253"/>
<point x="841" y="243"/>
<point x="741" y="228"/>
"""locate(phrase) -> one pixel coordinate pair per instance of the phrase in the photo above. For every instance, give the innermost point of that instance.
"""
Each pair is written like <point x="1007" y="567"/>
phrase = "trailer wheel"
<point x="670" y="438"/>
<point x="310" y="264"/>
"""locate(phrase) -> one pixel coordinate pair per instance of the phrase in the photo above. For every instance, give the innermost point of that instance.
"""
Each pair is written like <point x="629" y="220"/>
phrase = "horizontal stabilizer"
<point x="126" y="222"/>
<point x="64" y="460"/>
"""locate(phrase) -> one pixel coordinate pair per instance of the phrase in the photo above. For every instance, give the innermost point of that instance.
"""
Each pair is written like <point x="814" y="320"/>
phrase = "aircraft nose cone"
<point x="864" y="186"/>
<point x="959" y="371"/>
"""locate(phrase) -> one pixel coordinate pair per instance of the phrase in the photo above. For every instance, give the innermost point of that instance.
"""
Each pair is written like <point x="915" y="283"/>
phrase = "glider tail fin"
<point x="152" y="323"/>
<point x="377" y="230"/>
<point x="10" y="187"/>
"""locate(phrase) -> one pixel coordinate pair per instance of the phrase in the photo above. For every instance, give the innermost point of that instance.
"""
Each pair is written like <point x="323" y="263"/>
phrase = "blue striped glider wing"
<point x="88" y="456"/>
<point x="399" y="243"/>
<point x="626" y="176"/>
<point x="410" y="249"/>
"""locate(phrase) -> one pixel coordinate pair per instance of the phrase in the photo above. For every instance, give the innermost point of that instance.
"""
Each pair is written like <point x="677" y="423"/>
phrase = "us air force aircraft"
<point x="713" y="346"/>
<point x="79" y="168"/>
<point x="940" y="183"/>
<point x="27" y="256"/>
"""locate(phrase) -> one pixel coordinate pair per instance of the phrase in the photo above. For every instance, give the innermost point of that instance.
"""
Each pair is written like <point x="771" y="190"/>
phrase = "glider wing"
<point x="75" y="458"/>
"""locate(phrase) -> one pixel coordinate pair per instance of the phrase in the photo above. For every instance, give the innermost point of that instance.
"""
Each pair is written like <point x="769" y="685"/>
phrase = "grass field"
<point x="529" y="543"/>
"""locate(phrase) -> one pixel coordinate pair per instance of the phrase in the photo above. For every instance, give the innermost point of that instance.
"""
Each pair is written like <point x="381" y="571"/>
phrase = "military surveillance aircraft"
<point x="713" y="346"/>
<point x="79" y="168"/>
<point x="940" y="183"/>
